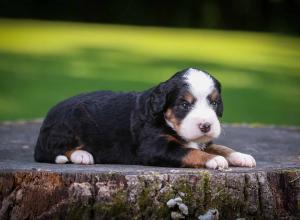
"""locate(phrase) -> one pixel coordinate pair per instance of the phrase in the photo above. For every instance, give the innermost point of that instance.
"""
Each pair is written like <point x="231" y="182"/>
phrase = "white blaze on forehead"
<point x="201" y="84"/>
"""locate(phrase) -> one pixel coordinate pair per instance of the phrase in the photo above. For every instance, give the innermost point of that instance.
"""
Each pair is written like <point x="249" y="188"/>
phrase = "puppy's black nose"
<point x="205" y="127"/>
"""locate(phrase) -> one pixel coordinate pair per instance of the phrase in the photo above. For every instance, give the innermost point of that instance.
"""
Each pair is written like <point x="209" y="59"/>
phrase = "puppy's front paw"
<point x="241" y="160"/>
<point x="81" y="157"/>
<point x="61" y="159"/>
<point x="217" y="162"/>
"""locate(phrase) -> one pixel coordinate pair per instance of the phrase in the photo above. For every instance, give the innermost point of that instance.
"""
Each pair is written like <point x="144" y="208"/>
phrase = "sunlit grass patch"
<point x="44" y="62"/>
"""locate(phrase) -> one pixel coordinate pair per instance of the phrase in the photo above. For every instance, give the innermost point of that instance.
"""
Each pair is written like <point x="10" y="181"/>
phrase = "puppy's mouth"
<point x="203" y="139"/>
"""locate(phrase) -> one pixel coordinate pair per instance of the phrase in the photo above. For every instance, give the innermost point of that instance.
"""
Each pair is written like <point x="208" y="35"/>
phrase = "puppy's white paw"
<point x="241" y="160"/>
<point x="61" y="159"/>
<point x="217" y="162"/>
<point x="81" y="157"/>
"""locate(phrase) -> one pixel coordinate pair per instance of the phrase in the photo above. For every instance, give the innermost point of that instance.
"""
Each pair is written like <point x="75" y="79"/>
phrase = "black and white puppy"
<point x="172" y="124"/>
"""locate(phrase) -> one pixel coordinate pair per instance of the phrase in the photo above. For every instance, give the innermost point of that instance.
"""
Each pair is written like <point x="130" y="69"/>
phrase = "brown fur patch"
<point x="196" y="158"/>
<point x="214" y="95"/>
<point x="68" y="153"/>
<point x="219" y="150"/>
<point x="189" y="98"/>
<point x="169" y="115"/>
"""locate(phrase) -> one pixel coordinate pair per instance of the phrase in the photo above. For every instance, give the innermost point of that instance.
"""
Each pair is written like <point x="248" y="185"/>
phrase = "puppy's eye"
<point x="214" y="103"/>
<point x="185" y="105"/>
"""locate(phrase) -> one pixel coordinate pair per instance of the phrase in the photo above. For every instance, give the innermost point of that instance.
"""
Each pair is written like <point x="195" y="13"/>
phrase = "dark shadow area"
<point x="257" y="15"/>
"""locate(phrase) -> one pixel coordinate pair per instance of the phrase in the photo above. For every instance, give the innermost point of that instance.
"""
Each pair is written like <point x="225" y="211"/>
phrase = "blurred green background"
<point x="44" y="62"/>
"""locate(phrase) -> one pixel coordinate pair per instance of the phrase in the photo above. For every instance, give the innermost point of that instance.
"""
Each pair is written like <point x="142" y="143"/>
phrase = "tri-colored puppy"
<point x="172" y="124"/>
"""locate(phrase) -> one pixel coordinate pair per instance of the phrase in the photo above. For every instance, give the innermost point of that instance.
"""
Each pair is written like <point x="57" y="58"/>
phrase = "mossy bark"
<point x="48" y="195"/>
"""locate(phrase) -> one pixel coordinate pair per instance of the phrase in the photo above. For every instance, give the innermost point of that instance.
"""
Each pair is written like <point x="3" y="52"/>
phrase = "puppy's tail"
<point x="53" y="142"/>
<point x="42" y="152"/>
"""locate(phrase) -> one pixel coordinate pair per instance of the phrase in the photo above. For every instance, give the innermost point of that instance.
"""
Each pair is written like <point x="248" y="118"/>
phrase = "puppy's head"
<point x="190" y="103"/>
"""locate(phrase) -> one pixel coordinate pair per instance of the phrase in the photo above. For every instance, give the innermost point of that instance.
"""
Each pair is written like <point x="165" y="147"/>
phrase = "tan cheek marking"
<point x="219" y="150"/>
<point x="196" y="158"/>
<point x="171" y="118"/>
<point x="68" y="153"/>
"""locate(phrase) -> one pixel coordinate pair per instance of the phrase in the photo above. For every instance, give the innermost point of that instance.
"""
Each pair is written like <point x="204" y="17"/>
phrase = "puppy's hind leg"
<point x="76" y="156"/>
<point x="82" y="157"/>
<point x="61" y="159"/>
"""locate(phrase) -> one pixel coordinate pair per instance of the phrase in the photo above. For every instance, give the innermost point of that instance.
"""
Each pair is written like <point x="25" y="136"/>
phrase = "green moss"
<point x="117" y="208"/>
<point x="206" y="187"/>
<point x="145" y="203"/>
<point x="152" y="198"/>
<point x="218" y="199"/>
<point x="163" y="211"/>
<point x="143" y="199"/>
<point x="167" y="195"/>
<point x="78" y="211"/>
<point x="289" y="170"/>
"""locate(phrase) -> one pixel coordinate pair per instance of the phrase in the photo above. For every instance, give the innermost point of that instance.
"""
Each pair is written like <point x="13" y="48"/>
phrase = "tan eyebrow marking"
<point x="189" y="98"/>
<point x="214" y="95"/>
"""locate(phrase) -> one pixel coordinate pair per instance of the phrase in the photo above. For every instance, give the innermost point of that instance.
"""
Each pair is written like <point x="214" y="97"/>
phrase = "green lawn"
<point x="42" y="63"/>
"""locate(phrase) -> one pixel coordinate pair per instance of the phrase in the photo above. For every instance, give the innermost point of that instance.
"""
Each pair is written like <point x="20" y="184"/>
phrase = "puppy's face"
<point x="194" y="105"/>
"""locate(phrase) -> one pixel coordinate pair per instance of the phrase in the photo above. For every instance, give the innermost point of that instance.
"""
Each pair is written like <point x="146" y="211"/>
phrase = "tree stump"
<point x="30" y="190"/>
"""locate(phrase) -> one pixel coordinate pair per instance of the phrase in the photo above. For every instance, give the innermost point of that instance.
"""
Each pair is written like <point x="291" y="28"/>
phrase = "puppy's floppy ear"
<point x="158" y="99"/>
<point x="220" y="108"/>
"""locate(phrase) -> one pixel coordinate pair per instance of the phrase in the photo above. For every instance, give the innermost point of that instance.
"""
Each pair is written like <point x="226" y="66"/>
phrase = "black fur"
<point x="220" y="105"/>
<point x="125" y="128"/>
<point x="219" y="108"/>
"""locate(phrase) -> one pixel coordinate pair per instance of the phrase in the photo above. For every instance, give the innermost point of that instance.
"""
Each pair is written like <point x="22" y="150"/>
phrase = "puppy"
<point x="172" y="124"/>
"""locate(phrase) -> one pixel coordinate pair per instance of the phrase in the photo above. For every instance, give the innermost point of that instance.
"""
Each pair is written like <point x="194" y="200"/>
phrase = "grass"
<point x="42" y="63"/>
